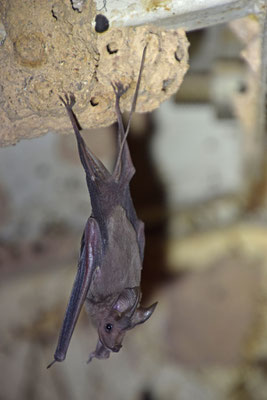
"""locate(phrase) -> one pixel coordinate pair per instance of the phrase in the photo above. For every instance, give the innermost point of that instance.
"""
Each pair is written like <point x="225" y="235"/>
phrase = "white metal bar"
<point x="189" y="14"/>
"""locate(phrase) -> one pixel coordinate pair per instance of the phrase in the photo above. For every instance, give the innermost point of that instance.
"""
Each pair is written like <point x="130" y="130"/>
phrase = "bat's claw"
<point x="68" y="100"/>
<point x="52" y="363"/>
<point x="91" y="356"/>
<point x="119" y="89"/>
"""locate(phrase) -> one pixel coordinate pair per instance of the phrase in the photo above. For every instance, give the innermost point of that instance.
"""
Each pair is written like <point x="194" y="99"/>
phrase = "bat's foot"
<point x="119" y="89"/>
<point x="68" y="101"/>
<point x="91" y="356"/>
<point x="101" y="352"/>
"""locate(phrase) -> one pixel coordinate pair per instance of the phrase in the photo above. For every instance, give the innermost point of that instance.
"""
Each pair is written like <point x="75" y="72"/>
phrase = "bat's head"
<point x="124" y="315"/>
<point x="111" y="331"/>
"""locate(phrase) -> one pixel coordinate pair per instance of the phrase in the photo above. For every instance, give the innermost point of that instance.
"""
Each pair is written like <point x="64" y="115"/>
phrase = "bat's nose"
<point x="117" y="348"/>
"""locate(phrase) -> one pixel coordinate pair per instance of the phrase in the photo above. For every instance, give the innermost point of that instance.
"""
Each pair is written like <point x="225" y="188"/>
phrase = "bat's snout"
<point x="116" y="348"/>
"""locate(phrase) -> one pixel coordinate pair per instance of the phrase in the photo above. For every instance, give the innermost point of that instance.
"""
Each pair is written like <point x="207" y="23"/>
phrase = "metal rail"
<point x="189" y="14"/>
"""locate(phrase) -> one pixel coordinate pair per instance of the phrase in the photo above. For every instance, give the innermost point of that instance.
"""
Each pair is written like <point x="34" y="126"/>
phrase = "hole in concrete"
<point x="165" y="84"/>
<point x="178" y="54"/>
<point x="101" y="23"/>
<point x="112" y="48"/>
<point x="94" y="102"/>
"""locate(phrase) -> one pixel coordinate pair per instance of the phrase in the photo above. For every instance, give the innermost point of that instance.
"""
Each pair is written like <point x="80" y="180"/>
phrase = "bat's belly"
<point x="121" y="262"/>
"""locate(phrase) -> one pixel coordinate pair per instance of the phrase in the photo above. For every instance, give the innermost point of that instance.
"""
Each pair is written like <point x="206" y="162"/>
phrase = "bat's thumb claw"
<point x="52" y="363"/>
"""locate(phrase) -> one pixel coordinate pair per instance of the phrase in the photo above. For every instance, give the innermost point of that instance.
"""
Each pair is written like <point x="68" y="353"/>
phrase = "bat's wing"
<point x="90" y="258"/>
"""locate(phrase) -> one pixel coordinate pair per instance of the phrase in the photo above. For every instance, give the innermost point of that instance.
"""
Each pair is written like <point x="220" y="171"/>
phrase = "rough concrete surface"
<point x="50" y="49"/>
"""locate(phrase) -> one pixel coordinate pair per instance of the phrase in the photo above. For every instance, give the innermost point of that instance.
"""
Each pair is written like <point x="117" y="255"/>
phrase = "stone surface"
<point x="50" y="49"/>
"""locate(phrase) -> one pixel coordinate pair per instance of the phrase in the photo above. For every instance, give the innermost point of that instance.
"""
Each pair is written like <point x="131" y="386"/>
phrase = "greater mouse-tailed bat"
<point x="112" y="246"/>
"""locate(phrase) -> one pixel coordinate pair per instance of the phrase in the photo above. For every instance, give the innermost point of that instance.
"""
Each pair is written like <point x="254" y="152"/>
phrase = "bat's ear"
<point x="127" y="301"/>
<point x="141" y="315"/>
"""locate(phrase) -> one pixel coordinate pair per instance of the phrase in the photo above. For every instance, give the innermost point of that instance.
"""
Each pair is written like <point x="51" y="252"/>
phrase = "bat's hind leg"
<point x="124" y="165"/>
<point x="119" y="91"/>
<point x="124" y="169"/>
<point x="92" y="165"/>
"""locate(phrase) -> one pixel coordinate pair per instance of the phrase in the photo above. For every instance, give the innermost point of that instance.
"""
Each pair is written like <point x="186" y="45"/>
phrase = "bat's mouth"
<point x="116" y="348"/>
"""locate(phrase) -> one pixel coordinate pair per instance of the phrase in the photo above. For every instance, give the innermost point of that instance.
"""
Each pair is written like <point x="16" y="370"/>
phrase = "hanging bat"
<point x="112" y="246"/>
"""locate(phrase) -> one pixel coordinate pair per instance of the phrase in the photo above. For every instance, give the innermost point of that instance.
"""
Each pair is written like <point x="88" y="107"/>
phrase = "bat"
<point x="112" y="245"/>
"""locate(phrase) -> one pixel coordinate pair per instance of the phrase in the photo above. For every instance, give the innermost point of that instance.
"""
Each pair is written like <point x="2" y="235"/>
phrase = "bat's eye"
<point x="108" y="327"/>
